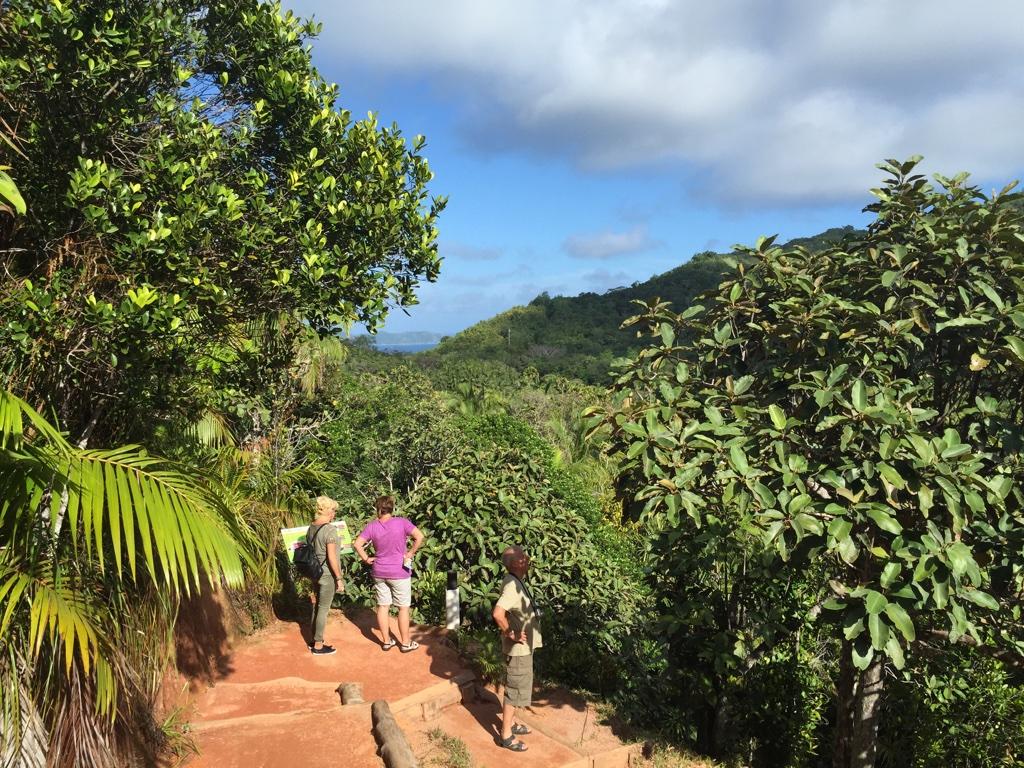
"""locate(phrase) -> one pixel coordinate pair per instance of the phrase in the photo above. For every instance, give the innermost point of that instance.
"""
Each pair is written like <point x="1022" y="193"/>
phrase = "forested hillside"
<point x="580" y="335"/>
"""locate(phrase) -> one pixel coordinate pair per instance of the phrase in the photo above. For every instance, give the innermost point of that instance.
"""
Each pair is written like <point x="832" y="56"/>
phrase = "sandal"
<point x="512" y="744"/>
<point x="410" y="647"/>
<point x="520" y="730"/>
<point x="388" y="645"/>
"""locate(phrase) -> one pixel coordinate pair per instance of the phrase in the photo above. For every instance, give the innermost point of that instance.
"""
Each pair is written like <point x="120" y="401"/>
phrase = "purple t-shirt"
<point x="388" y="540"/>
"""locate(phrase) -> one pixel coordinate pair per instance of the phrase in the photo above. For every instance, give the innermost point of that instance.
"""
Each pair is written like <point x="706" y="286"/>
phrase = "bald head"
<point x="515" y="560"/>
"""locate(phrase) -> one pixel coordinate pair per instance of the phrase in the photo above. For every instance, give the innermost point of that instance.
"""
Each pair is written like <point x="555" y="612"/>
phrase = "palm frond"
<point x="14" y="413"/>
<point x="124" y="497"/>
<point x="314" y="358"/>
<point x="211" y="430"/>
<point x="58" y="617"/>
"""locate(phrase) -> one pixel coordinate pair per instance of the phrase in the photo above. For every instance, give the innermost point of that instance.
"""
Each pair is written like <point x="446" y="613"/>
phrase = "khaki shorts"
<point x="394" y="592"/>
<point x="519" y="680"/>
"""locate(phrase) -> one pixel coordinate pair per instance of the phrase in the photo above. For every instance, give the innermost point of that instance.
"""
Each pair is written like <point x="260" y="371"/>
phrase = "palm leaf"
<point x="56" y="613"/>
<point x="211" y="430"/>
<point x="126" y="498"/>
<point x="13" y="414"/>
<point x="117" y="501"/>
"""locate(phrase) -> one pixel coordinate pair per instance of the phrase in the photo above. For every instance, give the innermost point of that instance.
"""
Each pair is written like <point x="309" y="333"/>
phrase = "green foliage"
<point x="959" y="710"/>
<point x="448" y="372"/>
<point x="82" y="532"/>
<point x="481" y="647"/>
<point x="846" y="426"/>
<point x="383" y="433"/>
<point x="10" y="196"/>
<point x="782" y="708"/>
<point x="503" y="432"/>
<point x="201" y="179"/>
<point x="483" y="500"/>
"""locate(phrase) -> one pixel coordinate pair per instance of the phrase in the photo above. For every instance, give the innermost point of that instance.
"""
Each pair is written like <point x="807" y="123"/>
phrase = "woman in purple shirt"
<point x="392" y="569"/>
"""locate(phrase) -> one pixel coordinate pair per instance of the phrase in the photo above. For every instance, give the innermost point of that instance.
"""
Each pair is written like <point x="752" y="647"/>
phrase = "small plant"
<point x="176" y="730"/>
<point x="482" y="649"/>
<point x="454" y="753"/>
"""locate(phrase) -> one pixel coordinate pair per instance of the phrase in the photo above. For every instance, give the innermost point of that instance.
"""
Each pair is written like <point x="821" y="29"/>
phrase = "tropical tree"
<point x="191" y="183"/>
<point x="382" y="433"/>
<point x="859" y="409"/>
<point x="500" y="487"/>
<point x="96" y="543"/>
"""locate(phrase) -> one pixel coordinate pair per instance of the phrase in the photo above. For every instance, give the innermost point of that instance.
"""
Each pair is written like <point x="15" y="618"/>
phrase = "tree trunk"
<point x="858" y="703"/>
<point x="721" y="727"/>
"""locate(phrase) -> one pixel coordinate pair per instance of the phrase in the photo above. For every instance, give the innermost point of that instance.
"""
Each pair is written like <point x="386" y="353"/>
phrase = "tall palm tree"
<point x="96" y="546"/>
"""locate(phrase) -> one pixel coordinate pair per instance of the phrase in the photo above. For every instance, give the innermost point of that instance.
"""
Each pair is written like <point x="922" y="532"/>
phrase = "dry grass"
<point x="663" y="756"/>
<point x="453" y="752"/>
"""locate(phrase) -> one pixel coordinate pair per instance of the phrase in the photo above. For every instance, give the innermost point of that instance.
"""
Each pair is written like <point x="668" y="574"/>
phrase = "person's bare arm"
<point x="360" y="547"/>
<point x="417" y="541"/>
<point x="500" y="616"/>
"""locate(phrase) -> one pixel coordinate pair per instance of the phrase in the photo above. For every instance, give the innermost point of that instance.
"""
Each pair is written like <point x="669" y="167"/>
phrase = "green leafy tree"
<point x="189" y="177"/>
<point x="382" y="433"/>
<point x="957" y="709"/>
<point x="501" y="489"/>
<point x="859" y="408"/>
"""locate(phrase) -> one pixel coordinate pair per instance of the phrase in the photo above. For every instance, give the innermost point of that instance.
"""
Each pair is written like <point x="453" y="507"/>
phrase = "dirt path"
<point x="277" y="706"/>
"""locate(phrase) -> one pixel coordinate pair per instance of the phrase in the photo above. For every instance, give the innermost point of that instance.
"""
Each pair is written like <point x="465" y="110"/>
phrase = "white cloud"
<point x="606" y="245"/>
<point x="788" y="101"/>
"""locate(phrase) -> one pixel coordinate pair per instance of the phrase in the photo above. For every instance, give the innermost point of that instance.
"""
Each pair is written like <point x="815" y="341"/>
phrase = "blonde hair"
<point x="325" y="505"/>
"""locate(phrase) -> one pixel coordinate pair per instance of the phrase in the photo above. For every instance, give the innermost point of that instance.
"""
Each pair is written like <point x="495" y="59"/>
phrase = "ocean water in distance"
<point x="405" y="349"/>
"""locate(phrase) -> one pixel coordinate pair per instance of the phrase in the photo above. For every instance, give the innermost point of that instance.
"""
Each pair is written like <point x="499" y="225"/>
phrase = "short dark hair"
<point x="385" y="505"/>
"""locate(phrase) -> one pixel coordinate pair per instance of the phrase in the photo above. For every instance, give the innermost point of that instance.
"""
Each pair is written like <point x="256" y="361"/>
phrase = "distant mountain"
<point x="579" y="336"/>
<point x="386" y="339"/>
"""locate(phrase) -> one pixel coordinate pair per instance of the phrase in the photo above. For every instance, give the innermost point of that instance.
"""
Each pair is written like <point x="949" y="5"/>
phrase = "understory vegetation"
<point x="777" y="521"/>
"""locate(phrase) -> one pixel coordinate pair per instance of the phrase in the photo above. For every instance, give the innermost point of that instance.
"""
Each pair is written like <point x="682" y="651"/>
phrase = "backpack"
<point x="305" y="560"/>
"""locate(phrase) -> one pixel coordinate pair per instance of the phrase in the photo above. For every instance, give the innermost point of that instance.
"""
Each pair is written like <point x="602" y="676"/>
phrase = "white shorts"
<point x="394" y="591"/>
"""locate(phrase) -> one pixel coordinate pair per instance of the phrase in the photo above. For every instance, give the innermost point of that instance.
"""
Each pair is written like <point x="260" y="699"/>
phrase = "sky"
<point x="588" y="144"/>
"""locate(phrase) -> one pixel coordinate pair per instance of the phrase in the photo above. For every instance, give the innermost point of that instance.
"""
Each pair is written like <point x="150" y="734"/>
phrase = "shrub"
<point x="485" y="499"/>
<point x="960" y="710"/>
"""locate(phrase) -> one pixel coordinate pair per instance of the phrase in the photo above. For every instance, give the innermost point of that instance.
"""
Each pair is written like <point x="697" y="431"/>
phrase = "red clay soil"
<point x="272" y="704"/>
<point x="334" y="737"/>
<point x="477" y="725"/>
<point x="274" y="701"/>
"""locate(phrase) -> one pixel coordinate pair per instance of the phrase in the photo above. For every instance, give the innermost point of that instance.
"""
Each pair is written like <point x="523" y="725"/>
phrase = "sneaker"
<point x="323" y="651"/>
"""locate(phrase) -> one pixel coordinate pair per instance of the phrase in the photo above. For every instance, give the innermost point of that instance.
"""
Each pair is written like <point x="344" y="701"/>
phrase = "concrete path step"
<point x="570" y="719"/>
<point x="426" y="703"/>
